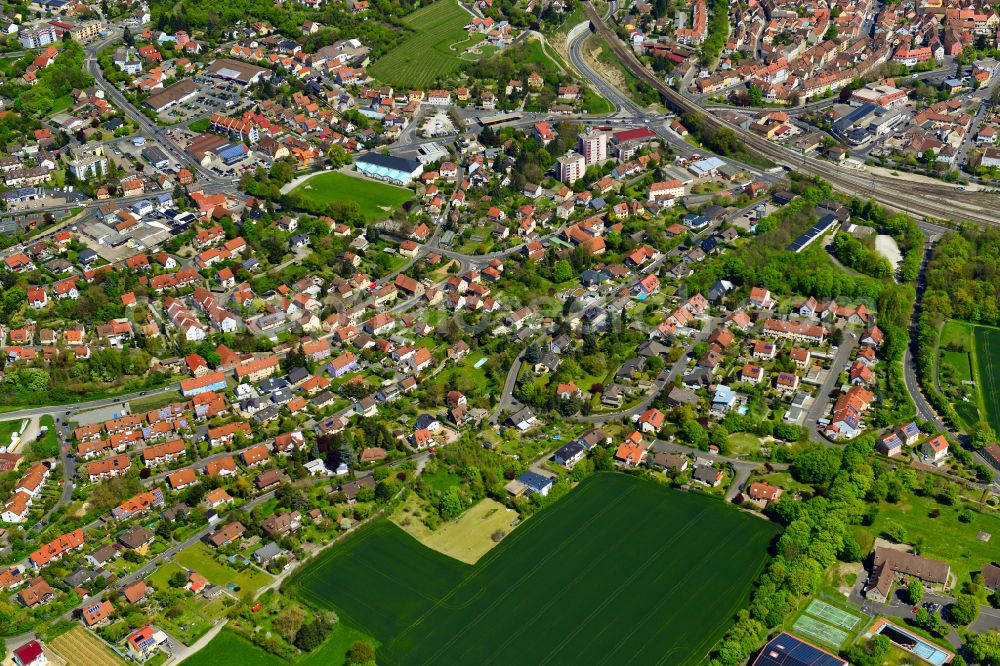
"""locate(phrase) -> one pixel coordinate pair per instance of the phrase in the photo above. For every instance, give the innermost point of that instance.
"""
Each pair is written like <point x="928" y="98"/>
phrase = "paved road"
<point x="665" y="378"/>
<point x="898" y="606"/>
<point x="823" y="395"/>
<point x="743" y="468"/>
<point x="66" y="411"/>
<point x="148" y="127"/>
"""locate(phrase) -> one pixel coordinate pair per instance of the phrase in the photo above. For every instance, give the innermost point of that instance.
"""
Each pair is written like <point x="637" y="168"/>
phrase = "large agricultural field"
<point x="79" y="647"/>
<point x="376" y="200"/>
<point x="621" y="567"/>
<point x="425" y="55"/>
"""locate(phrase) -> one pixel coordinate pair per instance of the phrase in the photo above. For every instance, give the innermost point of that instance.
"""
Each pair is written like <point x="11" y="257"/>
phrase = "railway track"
<point x="912" y="197"/>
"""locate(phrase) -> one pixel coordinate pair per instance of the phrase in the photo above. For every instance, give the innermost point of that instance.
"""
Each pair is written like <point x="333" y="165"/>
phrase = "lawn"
<point x="333" y="651"/>
<point x="424" y="56"/>
<point x="8" y="428"/>
<point x="441" y="480"/>
<point x="62" y="103"/>
<point x="48" y="446"/>
<point x="161" y="577"/>
<point x="957" y="363"/>
<point x="745" y="443"/>
<point x="987" y="357"/>
<point x="960" y="362"/>
<point x="576" y="580"/>
<point x="944" y="537"/>
<point x="151" y="402"/>
<point x="230" y="649"/>
<point x="595" y="104"/>
<point x="194" y="622"/>
<point x="201" y="125"/>
<point x="467" y="538"/>
<point x="377" y="200"/>
<point x="201" y="558"/>
<point x="464" y="376"/>
<point x="79" y="646"/>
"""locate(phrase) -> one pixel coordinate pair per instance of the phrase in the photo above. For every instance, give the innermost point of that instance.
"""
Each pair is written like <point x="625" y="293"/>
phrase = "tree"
<point x="361" y="653"/>
<point x="563" y="271"/>
<point x="984" y="647"/>
<point x="338" y="156"/>
<point x="694" y="433"/>
<point x="309" y="637"/>
<point x="915" y="592"/>
<point x="451" y="503"/>
<point x="754" y="96"/>
<point x="965" y="610"/>
<point x="289" y="621"/>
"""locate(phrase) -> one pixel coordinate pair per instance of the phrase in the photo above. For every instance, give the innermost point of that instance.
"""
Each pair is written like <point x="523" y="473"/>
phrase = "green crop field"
<point x="377" y="200"/>
<point x="621" y="567"/>
<point x="425" y="56"/>
<point x="987" y="357"/>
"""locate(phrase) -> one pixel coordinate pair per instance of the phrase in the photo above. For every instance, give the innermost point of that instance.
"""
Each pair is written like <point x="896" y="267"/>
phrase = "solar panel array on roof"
<point x="786" y="650"/>
<point x="814" y="232"/>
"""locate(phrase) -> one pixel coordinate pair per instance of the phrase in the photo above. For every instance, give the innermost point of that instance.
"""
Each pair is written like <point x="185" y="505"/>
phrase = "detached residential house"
<point x="935" y="449"/>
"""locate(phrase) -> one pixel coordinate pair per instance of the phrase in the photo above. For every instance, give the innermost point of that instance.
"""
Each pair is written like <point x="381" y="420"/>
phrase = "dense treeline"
<point x="54" y="81"/>
<point x="908" y="236"/>
<point x="858" y="256"/>
<point x="963" y="277"/>
<point x="721" y="140"/>
<point x="818" y="533"/>
<point x="963" y="282"/>
<point x="766" y="262"/>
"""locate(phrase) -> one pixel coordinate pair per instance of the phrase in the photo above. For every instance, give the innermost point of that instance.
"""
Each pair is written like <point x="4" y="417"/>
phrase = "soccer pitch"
<point x="622" y="570"/>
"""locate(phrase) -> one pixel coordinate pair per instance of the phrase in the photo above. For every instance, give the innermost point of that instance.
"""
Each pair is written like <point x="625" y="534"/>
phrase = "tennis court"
<point x="832" y="614"/>
<point x="824" y="633"/>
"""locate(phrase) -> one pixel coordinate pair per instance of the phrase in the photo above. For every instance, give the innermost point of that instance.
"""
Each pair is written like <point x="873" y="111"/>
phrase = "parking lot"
<point x="214" y="96"/>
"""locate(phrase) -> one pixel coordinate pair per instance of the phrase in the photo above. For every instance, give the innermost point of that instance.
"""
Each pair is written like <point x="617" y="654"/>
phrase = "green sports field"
<point x="377" y="200"/>
<point x="425" y="56"/>
<point x="622" y="570"/>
